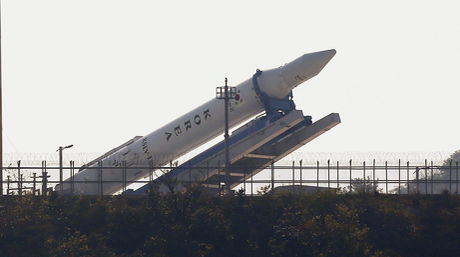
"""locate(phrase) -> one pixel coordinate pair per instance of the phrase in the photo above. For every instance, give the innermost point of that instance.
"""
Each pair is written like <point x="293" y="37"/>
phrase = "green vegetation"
<point x="194" y="224"/>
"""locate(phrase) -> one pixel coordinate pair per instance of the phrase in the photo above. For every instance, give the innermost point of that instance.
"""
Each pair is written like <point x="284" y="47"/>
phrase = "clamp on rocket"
<point x="196" y="127"/>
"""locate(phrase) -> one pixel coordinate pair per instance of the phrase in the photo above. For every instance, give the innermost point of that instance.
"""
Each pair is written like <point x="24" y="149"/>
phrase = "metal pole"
<point x="399" y="176"/>
<point x="44" y="177"/>
<point x="328" y="174"/>
<point x="386" y="177"/>
<point x="364" y="177"/>
<point x="426" y="177"/>
<point x="456" y="177"/>
<point x="272" y="175"/>
<point x="226" y="137"/>
<point x="61" y="187"/>
<point x="351" y="180"/>
<point x="317" y="175"/>
<point x="34" y="182"/>
<point x="1" y="109"/>
<point x="7" y="185"/>
<point x="19" y="179"/>
<point x="408" y="181"/>
<point x="124" y="176"/>
<point x="450" y="176"/>
<point x="72" y="179"/>
<point x="431" y="184"/>
<point x="293" y="173"/>
<point x="373" y="175"/>
<point x="101" y="179"/>
<point x="300" y="166"/>
<point x="338" y="184"/>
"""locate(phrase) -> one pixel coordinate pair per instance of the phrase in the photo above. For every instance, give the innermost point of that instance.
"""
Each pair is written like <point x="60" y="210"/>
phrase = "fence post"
<point x="101" y="181"/>
<point x="252" y="185"/>
<point x="364" y="177"/>
<point x="407" y="178"/>
<point x="450" y="176"/>
<point x="19" y="179"/>
<point x="123" y="171"/>
<point x="399" y="176"/>
<point x="426" y="177"/>
<point x="272" y="166"/>
<point x="456" y="177"/>
<point x="317" y="175"/>
<point x="386" y="177"/>
<point x="431" y="184"/>
<point x="373" y="175"/>
<point x="44" y="178"/>
<point x="337" y="177"/>
<point x="351" y="180"/>
<point x="7" y="185"/>
<point x="301" y="177"/>
<point x="328" y="174"/>
<point x="72" y="178"/>
<point x="34" y="183"/>
<point x="293" y="174"/>
<point x="417" y="171"/>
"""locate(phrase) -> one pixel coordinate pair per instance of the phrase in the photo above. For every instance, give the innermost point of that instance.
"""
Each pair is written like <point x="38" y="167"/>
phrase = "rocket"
<point x="195" y="128"/>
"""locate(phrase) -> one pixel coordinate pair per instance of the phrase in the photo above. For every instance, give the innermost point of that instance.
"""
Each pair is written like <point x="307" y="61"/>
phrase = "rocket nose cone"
<point x="305" y="67"/>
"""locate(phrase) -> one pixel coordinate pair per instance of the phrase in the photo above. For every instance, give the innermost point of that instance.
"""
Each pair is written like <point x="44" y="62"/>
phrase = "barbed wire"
<point x="308" y="158"/>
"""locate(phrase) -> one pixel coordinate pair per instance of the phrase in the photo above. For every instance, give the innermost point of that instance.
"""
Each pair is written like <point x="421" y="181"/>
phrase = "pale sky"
<point x="95" y="73"/>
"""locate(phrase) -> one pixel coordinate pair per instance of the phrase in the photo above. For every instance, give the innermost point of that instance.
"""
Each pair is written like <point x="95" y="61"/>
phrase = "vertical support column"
<point x="123" y="176"/>
<point x="351" y="175"/>
<point x="44" y="177"/>
<point x="407" y="177"/>
<point x="293" y="174"/>
<point x="252" y="185"/>
<point x="328" y="174"/>
<point x="19" y="179"/>
<point x="374" y="186"/>
<point x="386" y="177"/>
<point x="426" y="177"/>
<point x="226" y="137"/>
<point x="301" y="177"/>
<point x="431" y="184"/>
<point x="364" y="177"/>
<point x="450" y="176"/>
<point x="1" y="110"/>
<point x="399" y="176"/>
<point x="72" y="178"/>
<point x="34" y="183"/>
<point x="7" y="185"/>
<point x="272" y="166"/>
<point x="338" y="175"/>
<point x="317" y="176"/>
<point x="101" y="180"/>
<point x="456" y="177"/>
<point x="61" y="186"/>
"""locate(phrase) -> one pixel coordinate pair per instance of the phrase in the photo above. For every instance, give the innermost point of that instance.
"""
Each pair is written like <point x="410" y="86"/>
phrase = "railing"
<point x="399" y="178"/>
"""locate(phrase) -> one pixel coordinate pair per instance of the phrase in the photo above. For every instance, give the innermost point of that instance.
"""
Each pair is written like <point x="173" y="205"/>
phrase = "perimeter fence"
<point x="400" y="178"/>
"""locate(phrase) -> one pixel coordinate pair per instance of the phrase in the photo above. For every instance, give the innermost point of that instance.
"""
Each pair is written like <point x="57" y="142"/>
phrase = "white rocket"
<point x="196" y="127"/>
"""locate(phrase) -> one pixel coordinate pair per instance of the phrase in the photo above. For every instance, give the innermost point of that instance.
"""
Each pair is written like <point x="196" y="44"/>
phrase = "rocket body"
<point x="196" y="127"/>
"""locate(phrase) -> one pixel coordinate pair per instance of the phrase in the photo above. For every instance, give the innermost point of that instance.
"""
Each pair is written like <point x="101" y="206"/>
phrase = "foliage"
<point x="197" y="224"/>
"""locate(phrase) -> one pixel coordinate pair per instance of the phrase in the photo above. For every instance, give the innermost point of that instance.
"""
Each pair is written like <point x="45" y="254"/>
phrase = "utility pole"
<point x="1" y="108"/>
<point x="226" y="93"/>
<point x="44" y="178"/>
<point x="60" y="149"/>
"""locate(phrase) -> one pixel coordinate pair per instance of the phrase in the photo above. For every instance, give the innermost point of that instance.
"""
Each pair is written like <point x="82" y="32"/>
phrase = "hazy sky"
<point x="95" y="73"/>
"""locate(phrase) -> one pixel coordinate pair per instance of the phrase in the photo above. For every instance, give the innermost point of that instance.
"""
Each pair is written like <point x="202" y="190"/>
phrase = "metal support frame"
<point x="228" y="94"/>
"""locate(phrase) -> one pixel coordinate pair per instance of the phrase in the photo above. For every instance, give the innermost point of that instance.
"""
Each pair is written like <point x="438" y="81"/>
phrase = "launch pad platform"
<point x="253" y="148"/>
